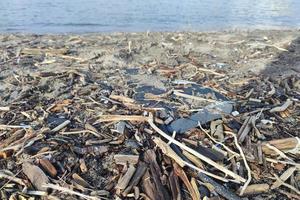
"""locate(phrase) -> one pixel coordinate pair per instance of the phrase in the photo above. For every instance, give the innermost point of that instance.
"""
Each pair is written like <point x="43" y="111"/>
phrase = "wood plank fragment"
<point x="123" y="159"/>
<point x="124" y="180"/>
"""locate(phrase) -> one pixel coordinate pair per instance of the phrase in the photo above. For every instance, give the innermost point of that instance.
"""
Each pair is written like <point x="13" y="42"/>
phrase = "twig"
<point x="83" y="131"/>
<point x="223" y="145"/>
<point x="177" y="93"/>
<point x="4" y="127"/>
<point x="61" y="126"/>
<point x="245" y="162"/>
<point x="283" y="162"/>
<point x="283" y="177"/>
<point x="108" y="118"/>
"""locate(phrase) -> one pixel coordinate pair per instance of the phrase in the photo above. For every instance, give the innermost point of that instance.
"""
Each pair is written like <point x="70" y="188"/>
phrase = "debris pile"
<point x="153" y="136"/>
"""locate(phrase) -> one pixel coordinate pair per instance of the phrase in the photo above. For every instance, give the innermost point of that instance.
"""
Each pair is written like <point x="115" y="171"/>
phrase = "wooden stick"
<point x="108" y="118"/>
<point x="139" y="173"/>
<point x="223" y="145"/>
<point x="4" y="127"/>
<point x="12" y="178"/>
<point x="177" y="93"/>
<point x="122" y="99"/>
<point x="69" y="191"/>
<point x="287" y="185"/>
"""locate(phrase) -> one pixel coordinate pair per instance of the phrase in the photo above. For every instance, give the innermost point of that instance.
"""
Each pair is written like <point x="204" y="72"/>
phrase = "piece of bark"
<point x="123" y="159"/>
<point x="150" y="157"/>
<point x="48" y="167"/>
<point x="285" y="145"/>
<point x="149" y="186"/>
<point x="36" y="176"/>
<point x="140" y="171"/>
<point x="181" y="174"/>
<point x="175" y="187"/>
<point x="124" y="181"/>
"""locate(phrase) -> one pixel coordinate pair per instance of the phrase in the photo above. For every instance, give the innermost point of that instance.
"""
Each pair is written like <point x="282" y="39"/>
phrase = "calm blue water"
<point x="59" y="16"/>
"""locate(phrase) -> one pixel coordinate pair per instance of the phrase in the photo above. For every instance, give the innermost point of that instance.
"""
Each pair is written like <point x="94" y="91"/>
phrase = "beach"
<point x="63" y="97"/>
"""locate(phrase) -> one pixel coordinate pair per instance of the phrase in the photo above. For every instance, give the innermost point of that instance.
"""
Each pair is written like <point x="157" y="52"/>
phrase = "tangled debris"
<point x="149" y="134"/>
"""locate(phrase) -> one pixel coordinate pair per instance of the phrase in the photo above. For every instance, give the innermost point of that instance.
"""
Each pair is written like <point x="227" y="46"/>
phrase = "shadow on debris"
<point x="285" y="63"/>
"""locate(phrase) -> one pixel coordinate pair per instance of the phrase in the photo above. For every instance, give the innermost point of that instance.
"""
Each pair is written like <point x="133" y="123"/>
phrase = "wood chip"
<point x="256" y="189"/>
<point x="36" y="176"/>
<point x="48" y="167"/>
<point x="83" y="166"/>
